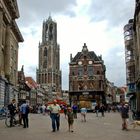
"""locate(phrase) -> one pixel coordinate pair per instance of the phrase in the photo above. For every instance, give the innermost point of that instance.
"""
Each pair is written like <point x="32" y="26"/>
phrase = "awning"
<point x="130" y="94"/>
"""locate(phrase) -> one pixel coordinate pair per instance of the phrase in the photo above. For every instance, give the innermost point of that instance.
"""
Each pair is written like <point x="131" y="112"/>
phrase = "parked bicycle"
<point x="15" y="120"/>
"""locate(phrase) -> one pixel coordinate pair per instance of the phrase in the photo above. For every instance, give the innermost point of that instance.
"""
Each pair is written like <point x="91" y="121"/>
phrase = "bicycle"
<point x="15" y="120"/>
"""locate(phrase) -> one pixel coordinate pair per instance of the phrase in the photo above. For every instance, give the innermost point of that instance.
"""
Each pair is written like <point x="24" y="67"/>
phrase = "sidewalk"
<point x="96" y="128"/>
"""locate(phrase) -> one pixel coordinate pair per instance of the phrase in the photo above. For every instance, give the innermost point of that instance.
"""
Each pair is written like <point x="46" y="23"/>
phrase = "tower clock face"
<point x="80" y="62"/>
<point x="90" y="62"/>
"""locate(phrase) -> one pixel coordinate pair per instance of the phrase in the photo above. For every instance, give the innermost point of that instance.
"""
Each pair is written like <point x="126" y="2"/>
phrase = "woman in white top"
<point x="83" y="114"/>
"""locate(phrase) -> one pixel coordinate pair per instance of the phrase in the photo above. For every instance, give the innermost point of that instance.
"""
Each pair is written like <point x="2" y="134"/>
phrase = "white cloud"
<point x="75" y="27"/>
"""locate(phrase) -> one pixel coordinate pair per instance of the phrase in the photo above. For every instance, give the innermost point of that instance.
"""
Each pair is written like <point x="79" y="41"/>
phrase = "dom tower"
<point x="48" y="73"/>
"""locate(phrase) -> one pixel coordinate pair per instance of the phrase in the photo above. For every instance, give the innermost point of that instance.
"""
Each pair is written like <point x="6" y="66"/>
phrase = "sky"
<point x="98" y="23"/>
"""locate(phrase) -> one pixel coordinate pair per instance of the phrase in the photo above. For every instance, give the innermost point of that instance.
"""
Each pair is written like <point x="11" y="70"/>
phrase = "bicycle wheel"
<point x="7" y="121"/>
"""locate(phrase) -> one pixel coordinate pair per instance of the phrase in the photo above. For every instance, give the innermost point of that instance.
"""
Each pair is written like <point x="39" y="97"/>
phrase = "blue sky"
<point x="98" y="23"/>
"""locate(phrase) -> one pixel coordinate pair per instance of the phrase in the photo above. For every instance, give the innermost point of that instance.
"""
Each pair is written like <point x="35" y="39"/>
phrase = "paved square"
<point x="96" y="128"/>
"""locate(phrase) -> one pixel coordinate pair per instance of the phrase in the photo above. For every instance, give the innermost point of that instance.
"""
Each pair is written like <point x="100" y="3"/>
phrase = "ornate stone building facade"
<point x="10" y="36"/>
<point x="132" y="47"/>
<point x="136" y="27"/>
<point x="86" y="79"/>
<point x="48" y="73"/>
<point x="130" y="62"/>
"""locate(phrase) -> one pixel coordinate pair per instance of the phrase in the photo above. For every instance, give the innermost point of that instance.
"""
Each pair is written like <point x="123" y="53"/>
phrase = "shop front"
<point x="86" y="99"/>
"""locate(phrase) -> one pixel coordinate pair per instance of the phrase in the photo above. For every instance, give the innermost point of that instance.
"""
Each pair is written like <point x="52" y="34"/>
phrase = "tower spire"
<point x="49" y="18"/>
<point x="49" y="74"/>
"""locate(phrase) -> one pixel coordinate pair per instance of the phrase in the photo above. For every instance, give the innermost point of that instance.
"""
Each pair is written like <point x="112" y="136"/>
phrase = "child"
<point x="65" y="110"/>
<point x="83" y="114"/>
<point x="70" y="118"/>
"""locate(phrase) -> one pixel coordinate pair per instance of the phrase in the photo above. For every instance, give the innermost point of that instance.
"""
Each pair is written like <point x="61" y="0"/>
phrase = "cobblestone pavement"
<point x="96" y="128"/>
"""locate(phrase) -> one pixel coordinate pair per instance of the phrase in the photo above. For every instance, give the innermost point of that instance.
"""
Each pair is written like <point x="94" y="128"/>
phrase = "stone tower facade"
<point x="48" y="73"/>
<point x="10" y="36"/>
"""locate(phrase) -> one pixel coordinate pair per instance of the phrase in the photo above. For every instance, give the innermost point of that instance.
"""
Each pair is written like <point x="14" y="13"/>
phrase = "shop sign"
<point x="85" y="93"/>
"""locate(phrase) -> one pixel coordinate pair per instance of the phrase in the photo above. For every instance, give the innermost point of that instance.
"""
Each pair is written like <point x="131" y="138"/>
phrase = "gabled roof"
<point x="85" y="52"/>
<point x="77" y="56"/>
<point x="91" y="55"/>
<point x="21" y="76"/>
<point x="94" y="56"/>
<point x="30" y="82"/>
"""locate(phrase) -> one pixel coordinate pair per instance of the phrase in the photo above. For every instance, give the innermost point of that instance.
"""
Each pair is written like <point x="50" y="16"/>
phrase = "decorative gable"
<point x="84" y="55"/>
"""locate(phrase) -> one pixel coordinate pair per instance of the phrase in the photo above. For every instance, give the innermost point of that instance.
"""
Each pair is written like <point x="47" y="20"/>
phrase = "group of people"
<point x="99" y="108"/>
<point x="22" y="111"/>
<point x="54" y="112"/>
<point x="123" y="109"/>
<point x="69" y="112"/>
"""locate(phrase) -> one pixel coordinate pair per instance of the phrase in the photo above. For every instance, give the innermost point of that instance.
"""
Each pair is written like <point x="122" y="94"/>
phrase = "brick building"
<point x="86" y="78"/>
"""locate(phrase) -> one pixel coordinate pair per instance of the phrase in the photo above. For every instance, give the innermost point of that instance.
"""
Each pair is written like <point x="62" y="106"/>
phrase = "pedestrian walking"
<point x="124" y="110"/>
<point x="75" y="109"/>
<point x="70" y="118"/>
<point x="43" y="109"/>
<point x="83" y="114"/>
<point x="102" y="110"/>
<point x="55" y="115"/>
<point x="97" y="109"/>
<point x="25" y="111"/>
<point x="65" y="110"/>
<point x="12" y="111"/>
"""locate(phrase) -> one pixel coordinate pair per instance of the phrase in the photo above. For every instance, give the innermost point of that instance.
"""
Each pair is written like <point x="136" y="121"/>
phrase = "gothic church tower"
<point x="48" y="73"/>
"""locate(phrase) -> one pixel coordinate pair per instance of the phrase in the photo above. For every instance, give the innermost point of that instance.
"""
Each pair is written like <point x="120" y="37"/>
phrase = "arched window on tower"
<point x="45" y="52"/>
<point x="46" y="32"/>
<point x="50" y="32"/>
